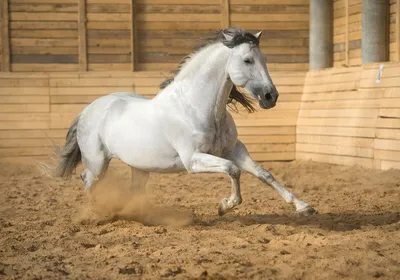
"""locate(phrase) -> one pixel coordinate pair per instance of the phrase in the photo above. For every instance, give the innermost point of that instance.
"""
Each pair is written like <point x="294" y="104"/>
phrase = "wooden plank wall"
<point x="109" y="35"/>
<point x="44" y="35"/>
<point x="394" y="54"/>
<point x="346" y="117"/>
<point x="98" y="35"/>
<point x="347" y="32"/>
<point x="285" y="23"/>
<point x="168" y="29"/>
<point x="35" y="104"/>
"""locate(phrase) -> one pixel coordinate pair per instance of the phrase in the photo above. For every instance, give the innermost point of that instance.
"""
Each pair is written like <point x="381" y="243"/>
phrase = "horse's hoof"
<point x="307" y="211"/>
<point x="221" y="210"/>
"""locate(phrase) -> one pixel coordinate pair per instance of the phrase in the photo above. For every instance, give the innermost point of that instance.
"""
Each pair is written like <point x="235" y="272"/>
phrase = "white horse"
<point x="185" y="127"/>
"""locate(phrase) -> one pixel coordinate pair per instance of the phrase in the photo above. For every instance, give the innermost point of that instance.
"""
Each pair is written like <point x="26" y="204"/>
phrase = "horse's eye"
<point x="247" y="61"/>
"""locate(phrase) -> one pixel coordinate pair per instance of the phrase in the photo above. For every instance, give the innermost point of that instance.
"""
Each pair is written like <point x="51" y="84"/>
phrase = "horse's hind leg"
<point x="138" y="181"/>
<point x="96" y="167"/>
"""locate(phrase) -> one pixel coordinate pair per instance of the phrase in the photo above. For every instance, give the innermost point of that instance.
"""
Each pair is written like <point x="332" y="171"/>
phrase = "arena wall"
<point x="59" y="55"/>
<point x="143" y="35"/>
<point x="36" y="105"/>
<point x="351" y="116"/>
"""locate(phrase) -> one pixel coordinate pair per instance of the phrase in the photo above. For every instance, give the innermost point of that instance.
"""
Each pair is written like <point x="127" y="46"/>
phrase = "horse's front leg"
<point x="242" y="159"/>
<point x="205" y="163"/>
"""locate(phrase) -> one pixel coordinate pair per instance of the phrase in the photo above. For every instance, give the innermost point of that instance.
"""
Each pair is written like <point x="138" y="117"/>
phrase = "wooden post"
<point x="5" y="58"/>
<point x="398" y="29"/>
<point x="83" y="66"/>
<point x="133" y="36"/>
<point x="321" y="34"/>
<point x="225" y="14"/>
<point x="347" y="33"/>
<point x="374" y="31"/>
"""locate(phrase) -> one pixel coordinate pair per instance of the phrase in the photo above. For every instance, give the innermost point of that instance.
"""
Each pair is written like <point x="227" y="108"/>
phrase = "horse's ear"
<point x="258" y="35"/>
<point x="227" y="36"/>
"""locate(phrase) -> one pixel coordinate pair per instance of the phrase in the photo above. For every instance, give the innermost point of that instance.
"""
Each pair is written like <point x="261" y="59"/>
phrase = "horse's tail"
<point x="68" y="157"/>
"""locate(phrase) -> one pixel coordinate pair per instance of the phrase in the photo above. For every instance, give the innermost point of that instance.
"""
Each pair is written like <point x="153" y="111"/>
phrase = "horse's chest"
<point x="216" y="140"/>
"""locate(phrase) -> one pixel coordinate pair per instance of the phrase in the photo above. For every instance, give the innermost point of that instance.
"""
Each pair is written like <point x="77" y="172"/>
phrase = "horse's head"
<point x="247" y="67"/>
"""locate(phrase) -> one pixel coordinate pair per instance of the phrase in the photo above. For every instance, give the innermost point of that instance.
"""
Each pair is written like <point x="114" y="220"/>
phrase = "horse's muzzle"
<point x="268" y="99"/>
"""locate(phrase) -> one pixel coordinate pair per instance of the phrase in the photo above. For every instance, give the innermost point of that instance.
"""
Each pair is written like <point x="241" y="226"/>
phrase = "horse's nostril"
<point x="268" y="96"/>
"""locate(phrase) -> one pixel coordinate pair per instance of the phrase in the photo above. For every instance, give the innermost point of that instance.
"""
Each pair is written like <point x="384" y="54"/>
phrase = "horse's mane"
<point x="238" y="36"/>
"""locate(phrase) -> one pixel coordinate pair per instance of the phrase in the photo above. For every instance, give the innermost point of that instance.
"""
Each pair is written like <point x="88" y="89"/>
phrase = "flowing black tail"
<point x="68" y="157"/>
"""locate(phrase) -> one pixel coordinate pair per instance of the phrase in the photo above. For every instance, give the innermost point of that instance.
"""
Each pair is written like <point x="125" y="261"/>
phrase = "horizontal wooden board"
<point x="88" y="90"/>
<point x="388" y="123"/>
<point x="33" y="134"/>
<point x="341" y="122"/>
<point x="38" y="142"/>
<point x="279" y="156"/>
<point x="24" y="116"/>
<point x="24" y="99"/>
<point x="45" y="50"/>
<point x="19" y="82"/>
<point x="387" y="144"/>
<point x="44" y="7"/>
<point x="44" y="33"/>
<point x="387" y="155"/>
<point x="344" y="95"/>
<point x="270" y="122"/>
<point x="44" y="25"/>
<point x="40" y="42"/>
<point x="339" y="104"/>
<point x="48" y="67"/>
<point x="17" y="91"/>
<point x="341" y="113"/>
<point x="261" y="148"/>
<point x="24" y="125"/>
<point x="25" y="151"/>
<point x="248" y="139"/>
<point x="336" y="159"/>
<point x="109" y="66"/>
<point x="336" y="140"/>
<point x="287" y="130"/>
<point x="23" y="16"/>
<point x="335" y="150"/>
<point x="384" y="133"/>
<point x="336" y="131"/>
<point x="73" y="99"/>
<point x="24" y="108"/>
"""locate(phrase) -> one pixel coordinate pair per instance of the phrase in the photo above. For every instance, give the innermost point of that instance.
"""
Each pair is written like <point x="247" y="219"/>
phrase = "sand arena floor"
<point x="49" y="230"/>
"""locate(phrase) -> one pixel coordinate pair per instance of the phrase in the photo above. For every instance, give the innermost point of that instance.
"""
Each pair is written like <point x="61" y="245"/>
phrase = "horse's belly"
<point x="137" y="140"/>
<point x="147" y="155"/>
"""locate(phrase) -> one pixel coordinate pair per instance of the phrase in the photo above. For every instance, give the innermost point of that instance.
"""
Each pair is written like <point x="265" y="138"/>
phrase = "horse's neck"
<point x="204" y="82"/>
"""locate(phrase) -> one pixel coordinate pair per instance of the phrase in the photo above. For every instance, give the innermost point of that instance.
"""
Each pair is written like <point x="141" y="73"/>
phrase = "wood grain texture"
<point x="345" y="115"/>
<point x="50" y="101"/>
<point x="82" y="36"/>
<point x="134" y="37"/>
<point x="397" y="30"/>
<point x="5" y="38"/>
<point x="225" y="14"/>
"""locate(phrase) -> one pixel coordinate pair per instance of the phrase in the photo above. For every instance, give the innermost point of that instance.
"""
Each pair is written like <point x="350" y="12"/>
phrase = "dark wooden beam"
<point x="83" y="66"/>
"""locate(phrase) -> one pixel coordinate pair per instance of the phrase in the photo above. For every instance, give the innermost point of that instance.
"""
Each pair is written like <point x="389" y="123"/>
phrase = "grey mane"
<point x="239" y="36"/>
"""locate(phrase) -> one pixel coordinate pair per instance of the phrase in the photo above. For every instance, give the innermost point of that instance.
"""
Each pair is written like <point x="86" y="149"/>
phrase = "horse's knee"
<point x="232" y="170"/>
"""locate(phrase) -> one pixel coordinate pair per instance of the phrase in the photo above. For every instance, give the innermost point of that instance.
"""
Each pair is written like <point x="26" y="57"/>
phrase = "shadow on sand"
<point x="339" y="221"/>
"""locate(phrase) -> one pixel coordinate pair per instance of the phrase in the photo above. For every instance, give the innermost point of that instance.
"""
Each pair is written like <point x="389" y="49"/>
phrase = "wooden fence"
<point x="351" y="116"/>
<point x="33" y="105"/>
<point x="338" y="115"/>
<point x="143" y="35"/>
<point x="347" y="31"/>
